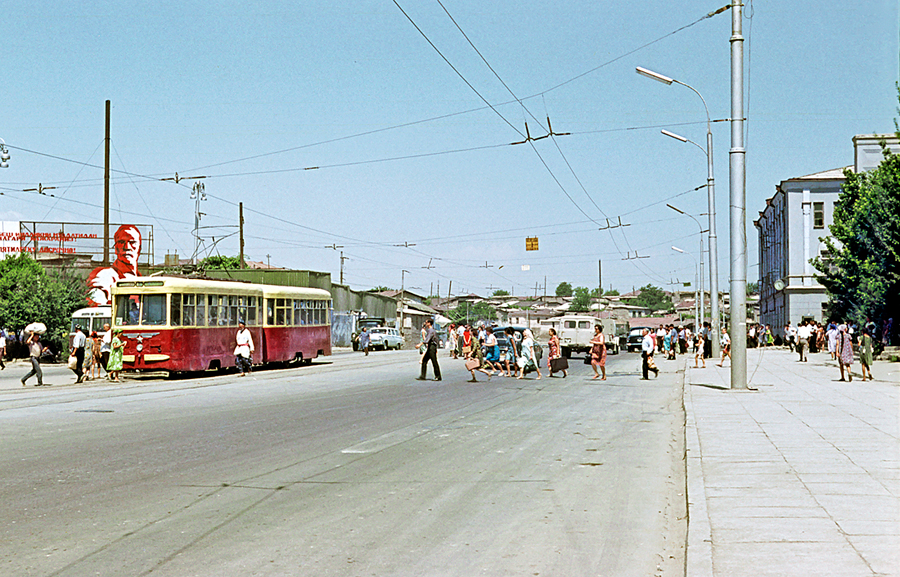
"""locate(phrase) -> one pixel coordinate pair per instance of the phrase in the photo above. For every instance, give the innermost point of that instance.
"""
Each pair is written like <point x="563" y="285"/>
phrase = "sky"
<point x="382" y="130"/>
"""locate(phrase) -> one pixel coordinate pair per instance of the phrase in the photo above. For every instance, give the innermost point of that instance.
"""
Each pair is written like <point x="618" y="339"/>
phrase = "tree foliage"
<point x="654" y="298"/>
<point x="611" y="293"/>
<point x="859" y="268"/>
<point x="28" y="294"/>
<point x="472" y="313"/>
<point x="582" y="300"/>
<point x="219" y="262"/>
<point x="379" y="289"/>
<point x="500" y="293"/>
<point x="564" y="289"/>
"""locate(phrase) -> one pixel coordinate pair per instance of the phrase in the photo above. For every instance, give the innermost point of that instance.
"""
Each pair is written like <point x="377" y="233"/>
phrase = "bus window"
<point x="98" y="324"/>
<point x="154" y="310"/>
<point x="232" y="311"/>
<point x="175" y="310"/>
<point x="250" y="315"/>
<point x="280" y="312"/>
<point x="270" y="312"/>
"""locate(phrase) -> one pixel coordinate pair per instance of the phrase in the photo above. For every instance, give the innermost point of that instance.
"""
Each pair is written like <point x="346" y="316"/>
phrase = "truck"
<point x="576" y="331"/>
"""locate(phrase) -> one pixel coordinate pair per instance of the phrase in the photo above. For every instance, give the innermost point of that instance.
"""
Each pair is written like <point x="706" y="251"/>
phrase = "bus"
<point x="91" y="319"/>
<point x="175" y="324"/>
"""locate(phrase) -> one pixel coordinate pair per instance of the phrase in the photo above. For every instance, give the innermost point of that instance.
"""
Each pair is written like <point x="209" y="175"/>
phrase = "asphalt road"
<point x="348" y="467"/>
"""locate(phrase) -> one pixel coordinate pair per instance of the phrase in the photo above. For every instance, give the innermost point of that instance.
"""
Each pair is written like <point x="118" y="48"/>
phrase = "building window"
<point x="818" y="215"/>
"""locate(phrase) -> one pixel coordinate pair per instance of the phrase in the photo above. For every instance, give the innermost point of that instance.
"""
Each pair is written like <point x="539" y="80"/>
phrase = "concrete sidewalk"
<point x="800" y="476"/>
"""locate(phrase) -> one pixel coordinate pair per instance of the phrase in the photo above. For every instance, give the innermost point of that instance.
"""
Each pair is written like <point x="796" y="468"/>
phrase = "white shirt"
<point x="79" y="340"/>
<point x="725" y="339"/>
<point x="2" y="342"/>
<point x="647" y="344"/>
<point x="244" y="343"/>
<point x="106" y="342"/>
<point x="803" y="332"/>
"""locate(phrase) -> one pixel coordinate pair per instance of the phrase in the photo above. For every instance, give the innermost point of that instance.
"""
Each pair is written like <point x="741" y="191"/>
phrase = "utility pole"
<point x="599" y="278"/>
<point x="106" y="193"/>
<point x="343" y="258"/>
<point x="241" y="224"/>
<point x="738" y="199"/>
<point x="403" y="274"/>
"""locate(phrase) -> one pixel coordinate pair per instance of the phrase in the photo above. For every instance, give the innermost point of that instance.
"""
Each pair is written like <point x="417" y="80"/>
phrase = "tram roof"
<point x="165" y="284"/>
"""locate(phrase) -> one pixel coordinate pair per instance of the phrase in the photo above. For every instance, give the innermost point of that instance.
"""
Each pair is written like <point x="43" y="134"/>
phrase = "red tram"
<point x="178" y="324"/>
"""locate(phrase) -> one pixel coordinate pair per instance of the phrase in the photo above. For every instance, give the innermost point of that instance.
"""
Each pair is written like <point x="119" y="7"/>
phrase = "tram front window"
<point x="133" y="310"/>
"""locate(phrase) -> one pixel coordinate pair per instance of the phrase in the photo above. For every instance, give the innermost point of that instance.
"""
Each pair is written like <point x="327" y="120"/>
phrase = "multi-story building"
<point x="792" y="229"/>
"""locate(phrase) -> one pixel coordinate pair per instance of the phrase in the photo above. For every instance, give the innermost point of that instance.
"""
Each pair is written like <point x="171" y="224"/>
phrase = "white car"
<point x="385" y="338"/>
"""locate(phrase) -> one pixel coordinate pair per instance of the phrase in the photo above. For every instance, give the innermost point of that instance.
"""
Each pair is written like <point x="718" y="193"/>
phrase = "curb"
<point x="698" y="558"/>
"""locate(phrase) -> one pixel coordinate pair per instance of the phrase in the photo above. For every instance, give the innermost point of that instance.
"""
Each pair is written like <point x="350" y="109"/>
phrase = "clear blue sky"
<point x="250" y="94"/>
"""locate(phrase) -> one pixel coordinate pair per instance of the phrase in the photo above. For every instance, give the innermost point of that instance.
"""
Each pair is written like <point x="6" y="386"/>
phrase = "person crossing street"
<point x="430" y="344"/>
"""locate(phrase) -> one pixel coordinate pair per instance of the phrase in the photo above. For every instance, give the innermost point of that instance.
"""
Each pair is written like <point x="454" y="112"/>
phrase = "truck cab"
<point x="576" y="331"/>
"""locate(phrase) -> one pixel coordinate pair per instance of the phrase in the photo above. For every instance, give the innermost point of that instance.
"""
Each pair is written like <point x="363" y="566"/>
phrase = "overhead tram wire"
<point x="452" y="114"/>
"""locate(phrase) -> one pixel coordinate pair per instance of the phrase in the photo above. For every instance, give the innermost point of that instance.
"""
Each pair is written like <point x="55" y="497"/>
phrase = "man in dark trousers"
<point x="430" y="342"/>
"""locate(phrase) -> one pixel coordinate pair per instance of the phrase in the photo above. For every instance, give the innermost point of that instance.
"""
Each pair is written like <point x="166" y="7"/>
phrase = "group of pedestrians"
<point x="838" y="340"/>
<point x="480" y="348"/>
<point x="87" y="355"/>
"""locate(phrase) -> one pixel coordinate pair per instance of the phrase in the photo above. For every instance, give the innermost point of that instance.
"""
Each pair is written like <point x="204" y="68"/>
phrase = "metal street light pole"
<point x="737" y="202"/>
<point x="711" y="194"/>
<point x="698" y="300"/>
<point x="700" y="316"/>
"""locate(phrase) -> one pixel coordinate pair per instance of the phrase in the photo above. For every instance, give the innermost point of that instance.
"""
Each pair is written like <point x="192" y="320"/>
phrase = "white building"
<point x="792" y="229"/>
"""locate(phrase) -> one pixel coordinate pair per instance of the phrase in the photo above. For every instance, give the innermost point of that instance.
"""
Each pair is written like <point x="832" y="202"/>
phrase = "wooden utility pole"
<point x="106" y="194"/>
<point x="241" y="224"/>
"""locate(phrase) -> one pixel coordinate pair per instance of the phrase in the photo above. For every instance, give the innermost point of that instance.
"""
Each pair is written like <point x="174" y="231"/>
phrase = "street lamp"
<point x="701" y="308"/>
<point x="711" y="193"/>
<point x="697" y="302"/>
<point x="4" y="155"/>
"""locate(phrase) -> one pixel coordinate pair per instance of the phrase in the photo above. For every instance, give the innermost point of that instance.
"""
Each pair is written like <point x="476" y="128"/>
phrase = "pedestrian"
<point x="492" y="350"/>
<point x="364" y="341"/>
<point x="2" y="348"/>
<point x="865" y="353"/>
<point x="116" y="352"/>
<point x="725" y="344"/>
<point x="465" y="346"/>
<point x="421" y="346"/>
<point x="698" y="351"/>
<point x="659" y="343"/>
<point x="832" y="335"/>
<point x="707" y="340"/>
<point x="803" y="336"/>
<point x="430" y="347"/>
<point x="453" y="336"/>
<point x="647" y="363"/>
<point x="820" y="338"/>
<point x="475" y="362"/>
<point x="244" y="350"/>
<point x="528" y="359"/>
<point x="682" y="340"/>
<point x="598" y="353"/>
<point x="88" y="366"/>
<point x="35" y="350"/>
<point x="105" y="347"/>
<point x="790" y="335"/>
<point x="512" y="354"/>
<point x="555" y="360"/>
<point x="78" y="343"/>
<point x="844" y="351"/>
<point x="96" y="356"/>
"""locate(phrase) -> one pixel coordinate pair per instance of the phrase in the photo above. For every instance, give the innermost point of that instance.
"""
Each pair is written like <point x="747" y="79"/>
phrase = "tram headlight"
<point x="140" y="347"/>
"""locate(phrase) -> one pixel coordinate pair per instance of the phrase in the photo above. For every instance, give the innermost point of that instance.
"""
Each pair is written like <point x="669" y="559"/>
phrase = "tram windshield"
<point x="140" y="309"/>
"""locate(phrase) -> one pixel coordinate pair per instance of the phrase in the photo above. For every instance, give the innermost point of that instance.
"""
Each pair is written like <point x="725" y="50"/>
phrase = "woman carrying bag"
<point x="555" y="360"/>
<point x="528" y="360"/>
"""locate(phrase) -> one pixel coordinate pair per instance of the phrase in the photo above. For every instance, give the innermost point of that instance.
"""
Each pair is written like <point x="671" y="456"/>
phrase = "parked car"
<point x="385" y="338"/>
<point x="635" y="338"/>
<point x="368" y="322"/>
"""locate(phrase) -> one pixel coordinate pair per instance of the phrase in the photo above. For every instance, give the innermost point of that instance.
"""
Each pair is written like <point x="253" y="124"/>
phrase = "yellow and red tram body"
<point x="181" y="324"/>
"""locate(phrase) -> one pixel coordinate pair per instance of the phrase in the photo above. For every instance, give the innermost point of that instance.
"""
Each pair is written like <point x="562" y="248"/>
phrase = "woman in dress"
<point x="699" y="343"/>
<point x="844" y="351"/>
<point x="528" y="354"/>
<point x="512" y="354"/>
<point x="116" y="350"/>
<point x="554" y="352"/>
<point x="465" y="341"/>
<point x="492" y="351"/>
<point x="598" y="352"/>
<point x="833" y="334"/>
<point x="725" y="345"/>
<point x="477" y="355"/>
<point x="865" y="353"/>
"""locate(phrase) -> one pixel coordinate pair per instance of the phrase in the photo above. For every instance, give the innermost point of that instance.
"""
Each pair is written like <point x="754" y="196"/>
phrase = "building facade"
<point x="792" y="229"/>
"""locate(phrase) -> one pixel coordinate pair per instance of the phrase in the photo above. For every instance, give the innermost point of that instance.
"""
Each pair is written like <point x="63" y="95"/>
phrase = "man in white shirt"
<point x="78" y="343"/>
<point x="647" y="354"/>
<point x="803" y="334"/>
<point x="244" y="348"/>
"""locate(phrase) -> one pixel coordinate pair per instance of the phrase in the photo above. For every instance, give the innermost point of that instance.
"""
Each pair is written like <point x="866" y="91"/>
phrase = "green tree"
<point x="379" y="289"/>
<point x="500" y="293"/>
<point x="654" y="298"/>
<point x="28" y="294"/>
<point x="473" y="312"/>
<point x="219" y="262"/>
<point x="859" y="267"/>
<point x="582" y="300"/>
<point x="611" y="293"/>
<point x="564" y="289"/>
<point x="752" y="288"/>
